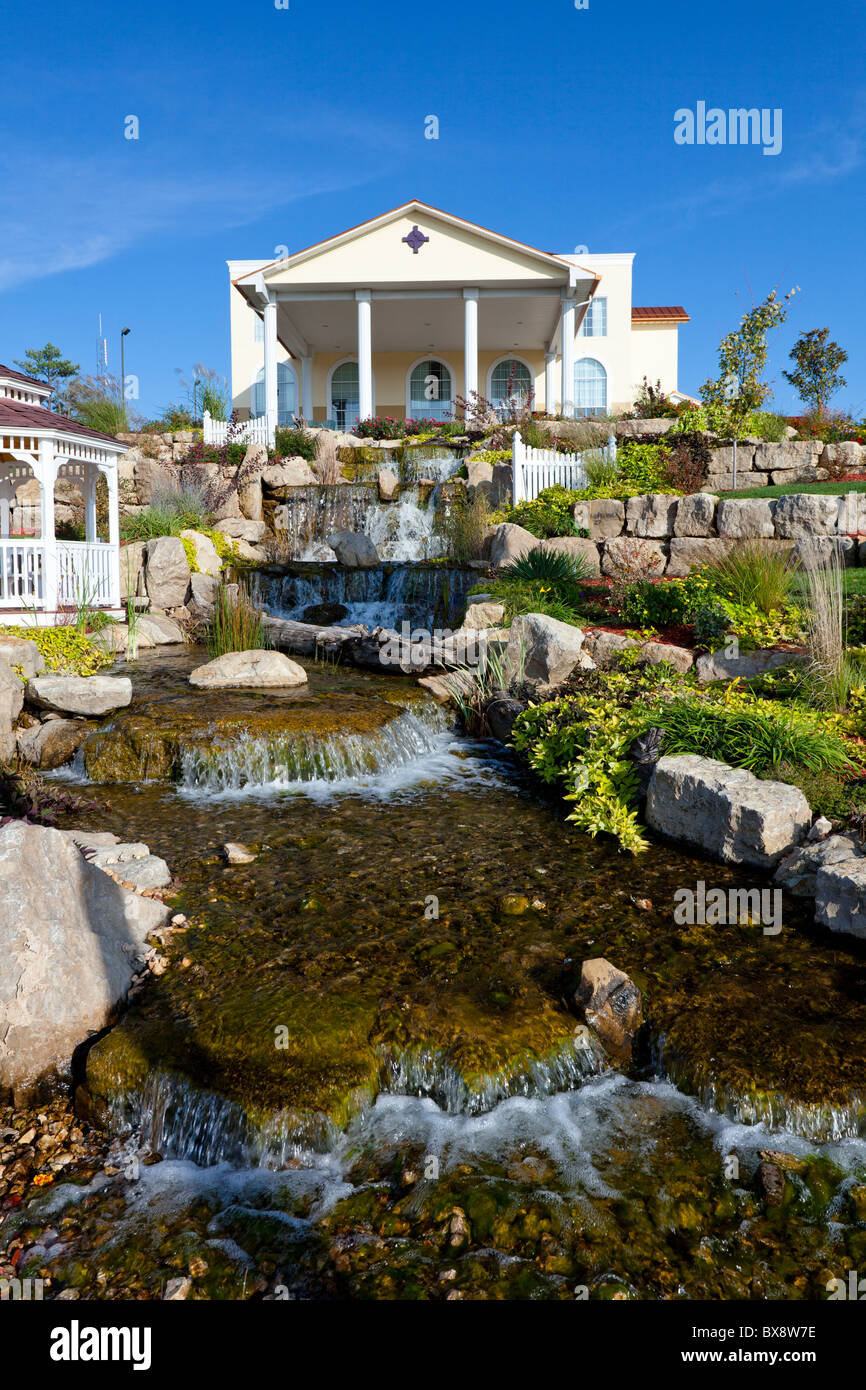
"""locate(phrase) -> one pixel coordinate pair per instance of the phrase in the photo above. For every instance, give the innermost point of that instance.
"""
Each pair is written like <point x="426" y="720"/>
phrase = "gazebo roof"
<point x="20" y="415"/>
<point x="20" y="376"/>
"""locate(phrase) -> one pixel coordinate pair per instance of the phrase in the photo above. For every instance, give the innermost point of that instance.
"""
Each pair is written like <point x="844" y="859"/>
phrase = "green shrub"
<point x="584" y="745"/>
<point x="669" y="603"/>
<point x="757" y="735"/>
<point x="643" y="465"/>
<point x="551" y="513"/>
<point x="712" y="624"/>
<point x="827" y="793"/>
<point x="289" y="442"/>
<point x="171" y="511"/>
<point x="553" y="567"/>
<point x="767" y="426"/>
<point x="753" y="573"/>
<point x="855" y="620"/>
<point x="66" y="650"/>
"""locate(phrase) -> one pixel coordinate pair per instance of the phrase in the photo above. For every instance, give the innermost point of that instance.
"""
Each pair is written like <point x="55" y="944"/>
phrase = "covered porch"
<point x="445" y="309"/>
<point x="42" y="577"/>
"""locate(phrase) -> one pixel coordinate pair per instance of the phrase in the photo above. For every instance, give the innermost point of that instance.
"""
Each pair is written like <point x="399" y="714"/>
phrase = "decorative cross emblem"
<point x="415" y="239"/>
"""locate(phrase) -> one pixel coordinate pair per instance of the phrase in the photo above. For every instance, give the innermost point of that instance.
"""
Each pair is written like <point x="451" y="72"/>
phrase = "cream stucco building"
<point x="410" y="310"/>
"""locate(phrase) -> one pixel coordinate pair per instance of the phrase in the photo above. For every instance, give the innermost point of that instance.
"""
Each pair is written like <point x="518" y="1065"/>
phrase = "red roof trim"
<point x="23" y="417"/>
<point x="672" y="313"/>
<point x="19" y="376"/>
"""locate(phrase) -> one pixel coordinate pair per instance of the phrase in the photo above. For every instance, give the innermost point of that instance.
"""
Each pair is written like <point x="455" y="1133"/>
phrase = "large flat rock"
<point x="69" y="941"/>
<point x="249" y="670"/>
<point x="87" y="695"/>
<point x="726" y="811"/>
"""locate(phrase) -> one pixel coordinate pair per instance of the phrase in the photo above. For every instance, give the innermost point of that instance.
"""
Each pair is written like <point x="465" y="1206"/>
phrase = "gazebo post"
<point x="47" y="479"/>
<point x="114" y="532"/>
<point x="90" y="503"/>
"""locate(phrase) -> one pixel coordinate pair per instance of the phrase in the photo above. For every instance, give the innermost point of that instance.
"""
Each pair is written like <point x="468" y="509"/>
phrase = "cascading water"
<point x="379" y="596"/>
<point x="415" y="744"/>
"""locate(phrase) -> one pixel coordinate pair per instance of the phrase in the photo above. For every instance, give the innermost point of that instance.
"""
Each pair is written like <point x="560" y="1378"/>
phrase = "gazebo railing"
<point x="83" y="573"/>
<point x="22" y="573"/>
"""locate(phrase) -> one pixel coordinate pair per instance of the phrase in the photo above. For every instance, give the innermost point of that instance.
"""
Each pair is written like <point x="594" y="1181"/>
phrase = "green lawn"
<point x="783" y="489"/>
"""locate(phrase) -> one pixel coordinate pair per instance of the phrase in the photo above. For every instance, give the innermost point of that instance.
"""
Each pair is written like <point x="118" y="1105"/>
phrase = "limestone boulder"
<point x="602" y="517"/>
<point x="11" y="702"/>
<point x="159" y="631"/>
<point x="206" y="557"/>
<point x="640" y="559"/>
<point x="696" y="514"/>
<point x="690" y="552"/>
<point x="805" y="514"/>
<point x="796" y="454"/>
<point x="53" y="743"/>
<point x="200" y="596"/>
<point x="725" y="482"/>
<point x="289" y="472"/>
<point x="840" y="895"/>
<point x="726" y="811"/>
<point x="606" y="648"/>
<point x="610" y="1002"/>
<point x="652" y="514"/>
<point x="798" y="871"/>
<point x="388" y="484"/>
<point x="239" y="528"/>
<point x="353" y="548"/>
<point x="22" y="654"/>
<point x="722" y="461"/>
<point x="848" y="454"/>
<point x="745" y="518"/>
<point x="508" y="542"/>
<point x="249" y="670"/>
<point x="552" y="648"/>
<point x="166" y="572"/>
<point x="479" y="474"/>
<point x="581" y="550"/>
<point x="483" y="615"/>
<point x="132" y="569"/>
<point x="718" y="666"/>
<point x="819" y="550"/>
<point x="69" y="946"/>
<point x="90" y="696"/>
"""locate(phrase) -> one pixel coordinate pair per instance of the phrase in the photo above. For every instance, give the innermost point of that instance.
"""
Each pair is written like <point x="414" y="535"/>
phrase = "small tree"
<point x="740" y="388"/>
<point x="816" y="376"/>
<point x="49" y="365"/>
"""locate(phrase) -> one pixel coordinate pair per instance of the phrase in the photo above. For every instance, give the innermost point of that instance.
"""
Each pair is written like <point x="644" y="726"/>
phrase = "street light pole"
<point x="123" y="334"/>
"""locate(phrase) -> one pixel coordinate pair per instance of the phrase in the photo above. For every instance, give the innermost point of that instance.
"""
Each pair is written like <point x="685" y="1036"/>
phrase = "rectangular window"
<point x="595" y="322"/>
<point x="260" y="330"/>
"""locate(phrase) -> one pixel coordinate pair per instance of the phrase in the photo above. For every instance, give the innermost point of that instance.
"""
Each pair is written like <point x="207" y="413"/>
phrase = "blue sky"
<point x="261" y="127"/>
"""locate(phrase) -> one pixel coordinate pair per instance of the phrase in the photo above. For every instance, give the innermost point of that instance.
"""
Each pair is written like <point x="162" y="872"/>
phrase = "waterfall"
<point x="386" y="595"/>
<point x="305" y="761"/>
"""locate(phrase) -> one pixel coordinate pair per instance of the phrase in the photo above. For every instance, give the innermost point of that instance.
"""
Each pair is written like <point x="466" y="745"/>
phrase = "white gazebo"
<point x="41" y="576"/>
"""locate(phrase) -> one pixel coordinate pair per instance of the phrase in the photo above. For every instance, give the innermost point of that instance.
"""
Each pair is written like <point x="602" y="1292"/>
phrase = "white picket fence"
<point x="243" y="432"/>
<point x="535" y="469"/>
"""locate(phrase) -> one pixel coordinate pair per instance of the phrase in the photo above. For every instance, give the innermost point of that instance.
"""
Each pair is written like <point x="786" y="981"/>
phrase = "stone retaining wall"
<point x="679" y="533"/>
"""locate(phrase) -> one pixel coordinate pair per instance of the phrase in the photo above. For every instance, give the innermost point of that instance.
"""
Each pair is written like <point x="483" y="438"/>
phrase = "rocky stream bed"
<point x="362" y="1074"/>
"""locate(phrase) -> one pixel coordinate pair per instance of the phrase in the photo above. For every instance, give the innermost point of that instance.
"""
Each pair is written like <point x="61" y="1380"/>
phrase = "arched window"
<point x="287" y="393"/>
<point x="590" y="387"/>
<point x="430" y="391"/>
<point x="510" y="380"/>
<point x="345" y="395"/>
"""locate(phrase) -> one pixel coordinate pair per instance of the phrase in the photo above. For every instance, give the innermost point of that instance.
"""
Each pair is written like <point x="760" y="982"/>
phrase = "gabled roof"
<point x="666" y="313"/>
<point x="20" y="416"/>
<point x="19" y="376"/>
<point x="414" y="206"/>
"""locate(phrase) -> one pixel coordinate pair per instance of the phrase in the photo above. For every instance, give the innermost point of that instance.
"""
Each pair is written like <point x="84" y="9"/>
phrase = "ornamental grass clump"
<point x="236" y="625"/>
<point x="757" y="735"/>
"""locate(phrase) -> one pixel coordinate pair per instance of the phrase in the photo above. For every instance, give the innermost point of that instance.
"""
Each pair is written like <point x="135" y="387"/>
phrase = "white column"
<point x="365" y="354"/>
<point x="470" y="342"/>
<point x="550" y="382"/>
<point x="5" y="513"/>
<point x="47" y="478"/>
<point x="270" y="317"/>
<point x="113" y="534"/>
<point x="567" y="330"/>
<point x="307" y="388"/>
<point x="90" y="502"/>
